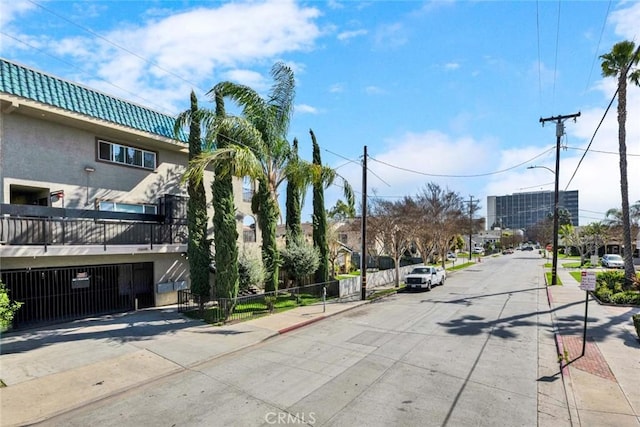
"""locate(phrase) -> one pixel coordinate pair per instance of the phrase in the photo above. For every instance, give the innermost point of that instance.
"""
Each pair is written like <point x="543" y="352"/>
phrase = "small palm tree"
<point x="622" y="63"/>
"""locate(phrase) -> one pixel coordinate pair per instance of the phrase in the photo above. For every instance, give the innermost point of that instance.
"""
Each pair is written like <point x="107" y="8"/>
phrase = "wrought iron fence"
<point x="246" y="307"/>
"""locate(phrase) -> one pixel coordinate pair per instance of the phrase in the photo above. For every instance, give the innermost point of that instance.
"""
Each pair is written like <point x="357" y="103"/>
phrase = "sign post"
<point x="587" y="283"/>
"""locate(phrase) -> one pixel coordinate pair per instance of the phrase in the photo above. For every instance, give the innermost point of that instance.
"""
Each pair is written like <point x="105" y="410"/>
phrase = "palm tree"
<point x="618" y="63"/>
<point x="257" y="148"/>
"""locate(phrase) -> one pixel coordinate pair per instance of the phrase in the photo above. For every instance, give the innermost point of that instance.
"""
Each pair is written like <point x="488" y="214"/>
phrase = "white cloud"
<point x="391" y="36"/>
<point x="336" y="88"/>
<point x="451" y="66"/>
<point x="249" y="78"/>
<point x="194" y="49"/>
<point x="346" y="35"/>
<point x="374" y="90"/>
<point x="306" y="109"/>
<point x="627" y="21"/>
<point x="12" y="9"/>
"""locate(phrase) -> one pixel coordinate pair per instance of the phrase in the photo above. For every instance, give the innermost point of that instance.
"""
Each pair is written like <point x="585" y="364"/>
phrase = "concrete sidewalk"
<point x="55" y="369"/>
<point x="603" y="385"/>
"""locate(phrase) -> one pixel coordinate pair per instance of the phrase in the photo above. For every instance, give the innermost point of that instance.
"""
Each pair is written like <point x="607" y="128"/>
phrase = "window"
<point x="128" y="208"/>
<point x="131" y="156"/>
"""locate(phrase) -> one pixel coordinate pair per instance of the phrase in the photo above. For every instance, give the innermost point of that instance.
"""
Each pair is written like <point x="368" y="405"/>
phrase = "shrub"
<point x="300" y="259"/>
<point x="250" y="270"/>
<point x="603" y="293"/>
<point x="611" y="279"/>
<point x="8" y="308"/>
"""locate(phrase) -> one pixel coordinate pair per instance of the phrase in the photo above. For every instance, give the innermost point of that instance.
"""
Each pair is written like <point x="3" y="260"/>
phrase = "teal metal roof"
<point x="37" y="86"/>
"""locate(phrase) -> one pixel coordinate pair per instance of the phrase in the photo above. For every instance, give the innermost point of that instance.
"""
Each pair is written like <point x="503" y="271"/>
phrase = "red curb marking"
<point x="299" y="325"/>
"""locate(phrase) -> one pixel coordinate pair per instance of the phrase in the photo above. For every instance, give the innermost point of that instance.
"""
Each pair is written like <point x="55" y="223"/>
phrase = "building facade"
<point x="523" y="210"/>
<point x="92" y="206"/>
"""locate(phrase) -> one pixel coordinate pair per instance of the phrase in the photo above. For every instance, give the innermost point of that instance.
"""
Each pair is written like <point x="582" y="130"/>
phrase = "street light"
<point x="554" y="267"/>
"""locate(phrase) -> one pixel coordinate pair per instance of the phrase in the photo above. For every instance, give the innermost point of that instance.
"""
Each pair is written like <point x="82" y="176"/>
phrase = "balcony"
<point x="44" y="227"/>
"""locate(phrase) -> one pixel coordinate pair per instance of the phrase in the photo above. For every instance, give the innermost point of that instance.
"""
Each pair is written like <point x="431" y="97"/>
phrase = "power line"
<point x="595" y="57"/>
<point x="462" y="176"/>
<point x="633" y="58"/>
<point x="86" y="73"/>
<point x="93" y="33"/>
<point x="555" y="66"/>
<point x="600" y="151"/>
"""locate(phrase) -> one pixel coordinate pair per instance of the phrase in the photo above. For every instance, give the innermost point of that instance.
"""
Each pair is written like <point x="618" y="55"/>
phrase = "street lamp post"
<point x="554" y="265"/>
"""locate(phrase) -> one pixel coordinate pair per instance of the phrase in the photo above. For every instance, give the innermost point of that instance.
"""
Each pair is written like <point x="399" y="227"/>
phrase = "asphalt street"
<point x="463" y="354"/>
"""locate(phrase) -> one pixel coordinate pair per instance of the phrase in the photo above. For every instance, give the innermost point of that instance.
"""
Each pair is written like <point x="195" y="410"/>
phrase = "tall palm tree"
<point x="619" y="63"/>
<point x="259" y="149"/>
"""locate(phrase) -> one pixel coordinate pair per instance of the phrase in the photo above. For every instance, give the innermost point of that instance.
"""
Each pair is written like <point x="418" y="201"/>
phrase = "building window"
<point x="128" y="208"/>
<point x="343" y="238"/>
<point x="130" y="156"/>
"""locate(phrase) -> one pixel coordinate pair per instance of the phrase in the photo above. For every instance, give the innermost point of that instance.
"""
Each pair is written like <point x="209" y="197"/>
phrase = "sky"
<point x="449" y="92"/>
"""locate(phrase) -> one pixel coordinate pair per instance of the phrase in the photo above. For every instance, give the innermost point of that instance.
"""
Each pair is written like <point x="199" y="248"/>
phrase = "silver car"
<point x="612" y="261"/>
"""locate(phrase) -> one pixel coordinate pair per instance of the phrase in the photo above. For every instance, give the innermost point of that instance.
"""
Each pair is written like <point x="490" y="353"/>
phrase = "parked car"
<point x="612" y="261"/>
<point x="451" y="256"/>
<point x="478" y="250"/>
<point x="424" y="277"/>
<point x="507" y="251"/>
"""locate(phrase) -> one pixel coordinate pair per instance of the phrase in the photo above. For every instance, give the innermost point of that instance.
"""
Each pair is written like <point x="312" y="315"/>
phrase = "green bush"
<point x="250" y="271"/>
<point x="611" y="279"/>
<point x="8" y="308"/>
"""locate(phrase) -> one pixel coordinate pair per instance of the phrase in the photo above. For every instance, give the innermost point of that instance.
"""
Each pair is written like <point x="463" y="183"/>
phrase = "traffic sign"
<point x="588" y="280"/>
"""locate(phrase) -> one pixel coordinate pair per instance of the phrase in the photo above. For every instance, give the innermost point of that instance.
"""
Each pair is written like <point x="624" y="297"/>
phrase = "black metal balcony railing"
<point x="37" y="225"/>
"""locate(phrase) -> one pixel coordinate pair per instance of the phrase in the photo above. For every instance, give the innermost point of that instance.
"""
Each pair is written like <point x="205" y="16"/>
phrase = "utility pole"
<point x="470" y="225"/>
<point x="559" y="132"/>
<point x="363" y="258"/>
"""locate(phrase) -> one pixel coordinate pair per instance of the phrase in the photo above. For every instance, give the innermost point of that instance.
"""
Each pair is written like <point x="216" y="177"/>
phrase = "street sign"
<point x="588" y="280"/>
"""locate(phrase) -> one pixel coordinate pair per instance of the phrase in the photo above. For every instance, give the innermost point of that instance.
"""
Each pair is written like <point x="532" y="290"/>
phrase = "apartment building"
<point x="523" y="210"/>
<point x="92" y="207"/>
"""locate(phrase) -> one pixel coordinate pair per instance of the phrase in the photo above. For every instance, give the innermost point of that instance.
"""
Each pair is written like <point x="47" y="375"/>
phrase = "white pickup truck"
<point x="424" y="277"/>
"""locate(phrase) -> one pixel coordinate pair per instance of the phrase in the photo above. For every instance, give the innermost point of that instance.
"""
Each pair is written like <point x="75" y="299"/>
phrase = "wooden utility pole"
<point x="559" y="132"/>
<point x="363" y="257"/>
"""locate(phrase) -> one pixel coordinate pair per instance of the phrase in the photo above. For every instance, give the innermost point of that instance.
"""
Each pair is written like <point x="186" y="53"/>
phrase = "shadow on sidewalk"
<point x="122" y="328"/>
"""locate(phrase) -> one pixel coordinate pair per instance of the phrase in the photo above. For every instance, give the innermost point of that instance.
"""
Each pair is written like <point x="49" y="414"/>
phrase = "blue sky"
<point x="439" y="91"/>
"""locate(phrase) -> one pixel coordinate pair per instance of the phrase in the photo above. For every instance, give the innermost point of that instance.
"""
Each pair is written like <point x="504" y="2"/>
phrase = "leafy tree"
<point x="198" y="247"/>
<point x="319" y="216"/>
<point x="574" y="237"/>
<point x="391" y="226"/>
<point x="622" y="63"/>
<point x="250" y="271"/>
<point x="300" y="259"/>
<point x="8" y="308"/>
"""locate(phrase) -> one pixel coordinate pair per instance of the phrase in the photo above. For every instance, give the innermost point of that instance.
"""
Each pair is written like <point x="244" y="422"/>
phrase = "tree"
<point x="295" y="184"/>
<point x="198" y="247"/>
<point x="391" y="224"/>
<point x="300" y="259"/>
<point x="8" y="308"/>
<point x="258" y="148"/>
<point x="620" y="63"/>
<point x="573" y="237"/>
<point x="225" y="231"/>
<point x="341" y="211"/>
<point x="319" y="215"/>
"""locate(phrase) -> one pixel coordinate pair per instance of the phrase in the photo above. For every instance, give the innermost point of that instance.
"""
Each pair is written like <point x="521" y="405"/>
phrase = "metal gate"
<point x="58" y="294"/>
